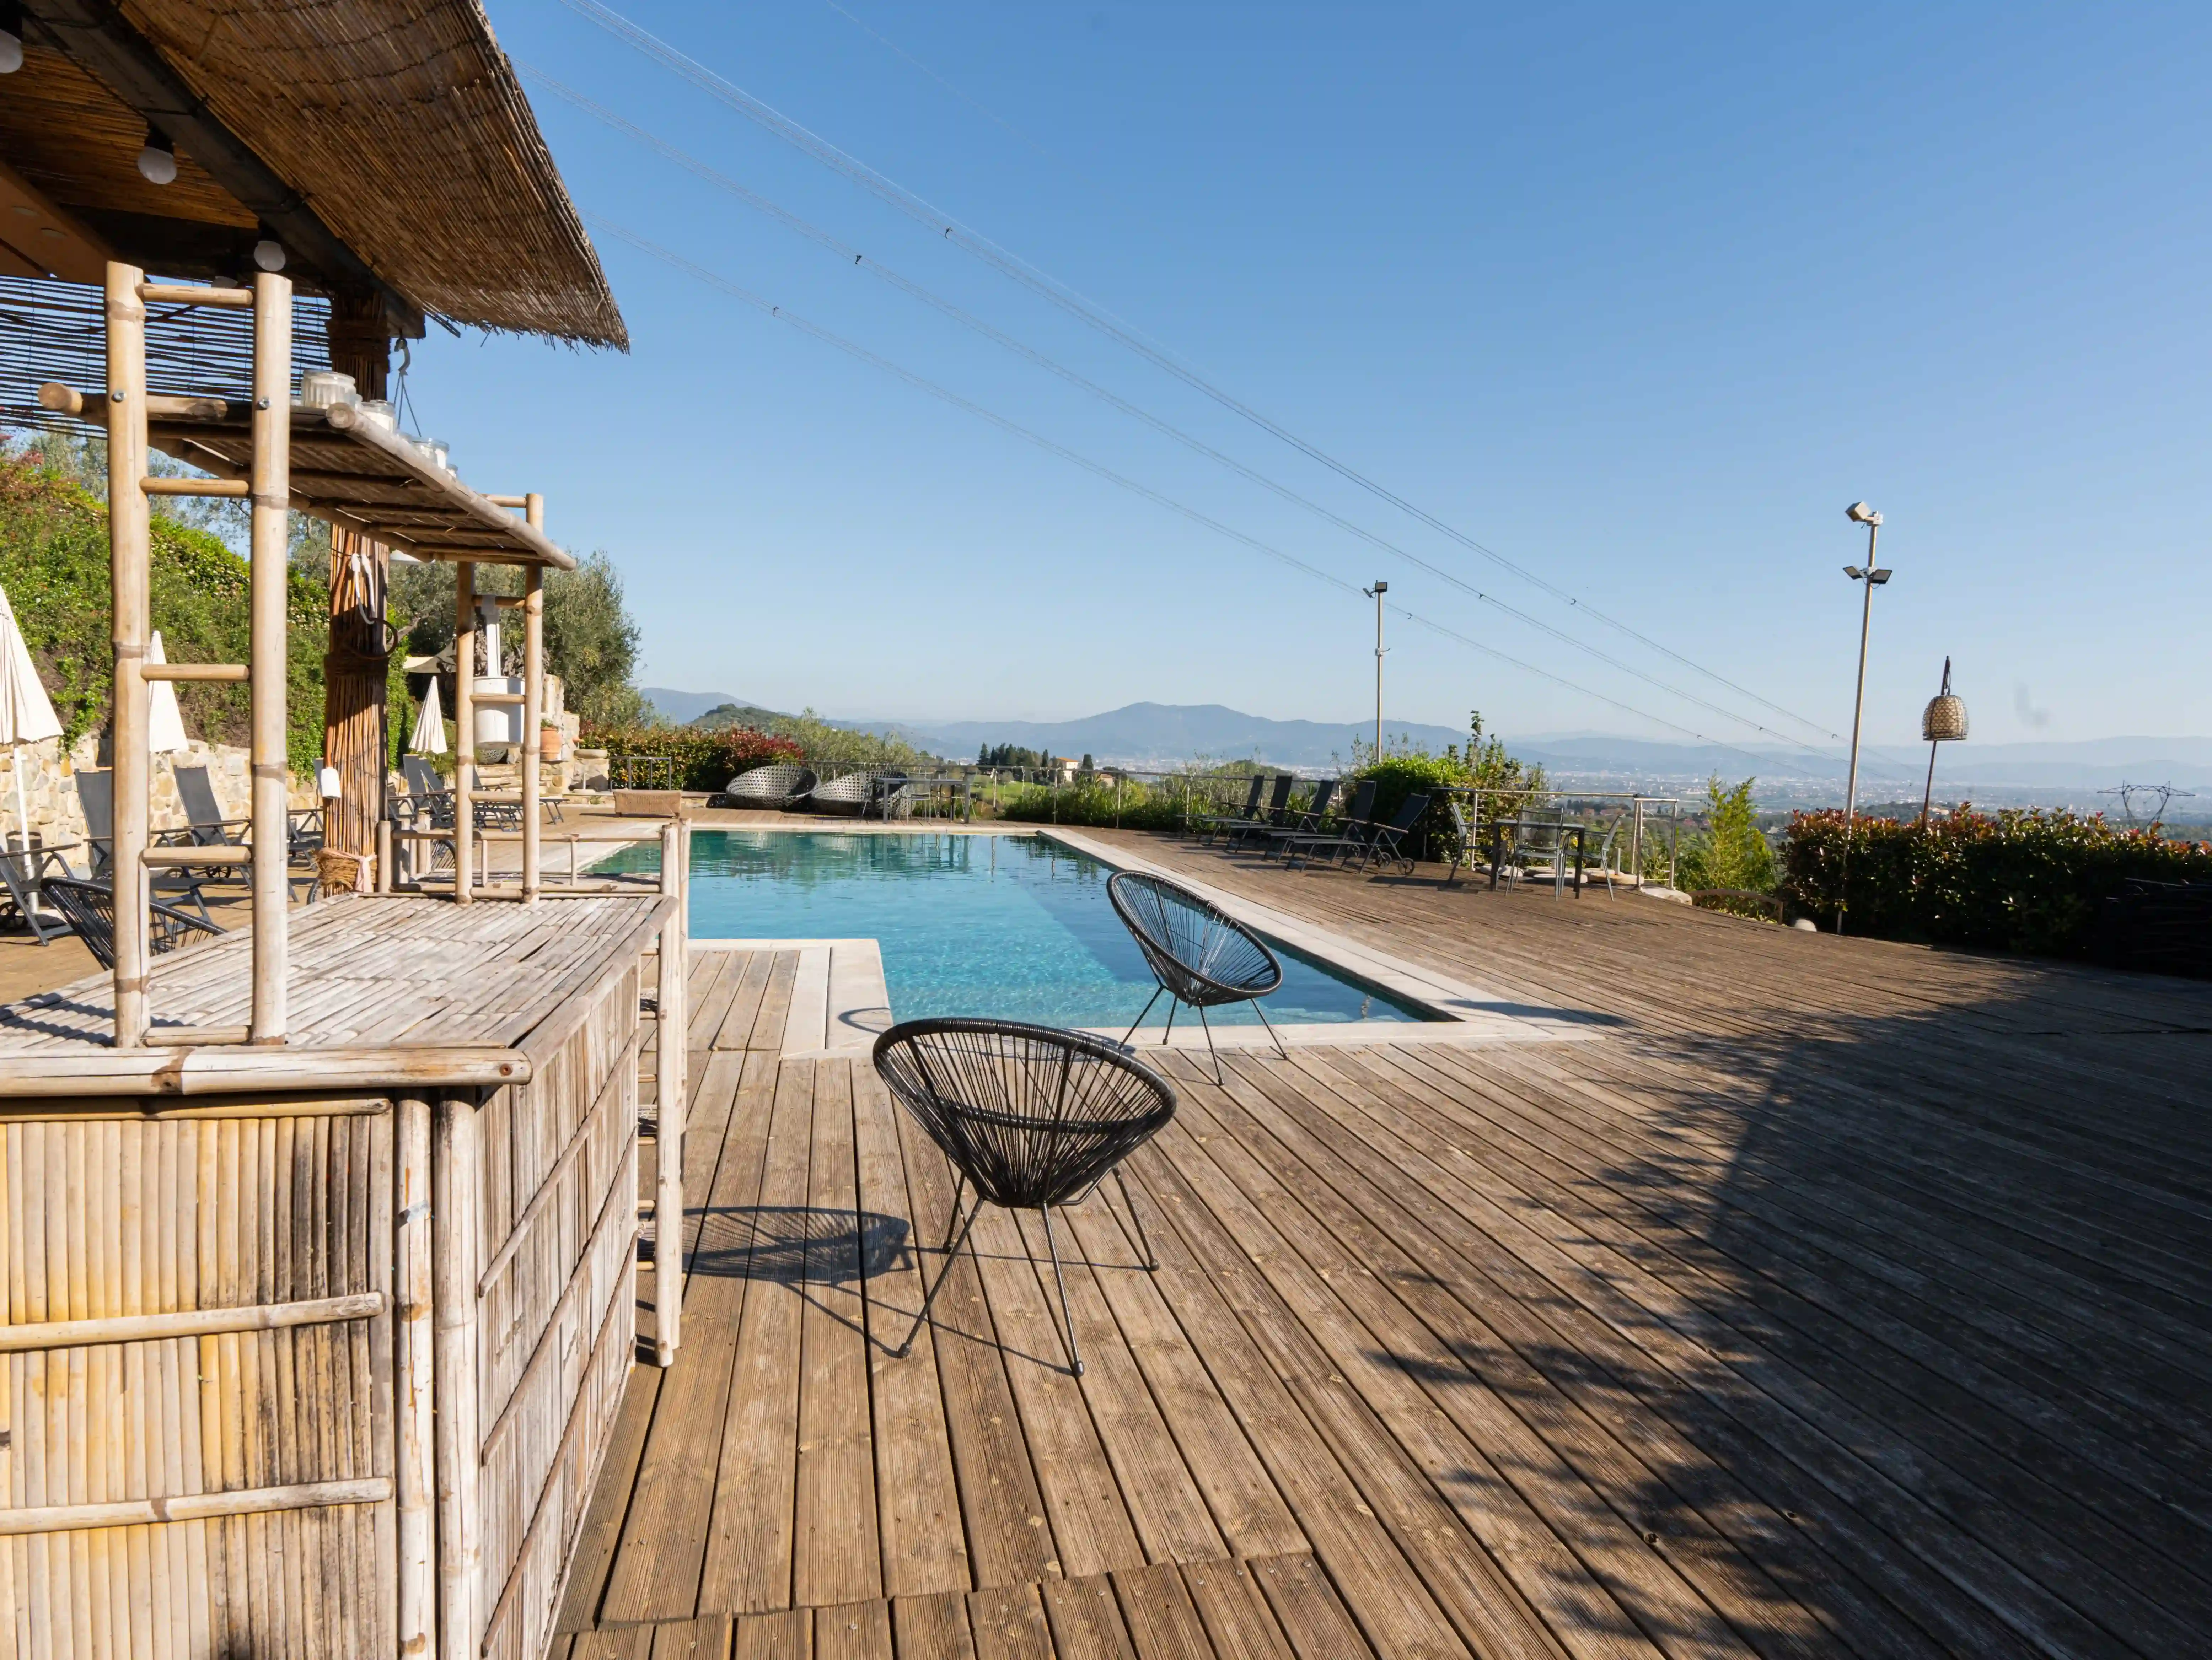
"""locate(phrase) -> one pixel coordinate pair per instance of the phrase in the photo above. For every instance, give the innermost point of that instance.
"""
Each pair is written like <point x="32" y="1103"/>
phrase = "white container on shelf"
<point x="499" y="723"/>
<point x="381" y="413"/>
<point x="326" y="389"/>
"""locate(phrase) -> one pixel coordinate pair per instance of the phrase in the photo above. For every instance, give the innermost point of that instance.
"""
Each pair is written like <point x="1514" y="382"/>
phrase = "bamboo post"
<point x="465" y="723"/>
<point x="454" y="1178"/>
<point x="267" y="671"/>
<point x="127" y="535"/>
<point x="415" y="1385"/>
<point x="533" y="701"/>
<point x="672" y="1019"/>
<point x="384" y="856"/>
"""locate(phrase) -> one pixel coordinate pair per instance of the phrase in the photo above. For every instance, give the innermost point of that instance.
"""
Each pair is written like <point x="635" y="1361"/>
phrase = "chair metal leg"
<point x="1270" y="1025"/>
<point x="1219" y="1077"/>
<point x="944" y="1273"/>
<point x="1168" y="1030"/>
<point x="1147" y="1009"/>
<point x="1074" y="1355"/>
<point x="1144" y="1239"/>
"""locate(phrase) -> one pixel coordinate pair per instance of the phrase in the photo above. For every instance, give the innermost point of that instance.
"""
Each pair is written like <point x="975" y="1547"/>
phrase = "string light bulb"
<point x="11" y="36"/>
<point x="268" y="254"/>
<point x="157" y="162"/>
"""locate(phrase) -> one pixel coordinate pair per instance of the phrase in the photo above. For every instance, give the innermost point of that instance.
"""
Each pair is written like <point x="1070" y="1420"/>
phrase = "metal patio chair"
<point x="1215" y="823"/>
<point x="1200" y="953"/>
<point x="778" y="787"/>
<point x="90" y="908"/>
<point x="1305" y="820"/>
<point x="1030" y="1117"/>
<point x="24" y="871"/>
<point x="96" y="794"/>
<point x="1376" y="843"/>
<point x="1275" y="818"/>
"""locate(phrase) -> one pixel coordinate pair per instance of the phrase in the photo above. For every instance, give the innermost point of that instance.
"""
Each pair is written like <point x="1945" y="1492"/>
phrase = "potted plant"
<point x="549" y="740"/>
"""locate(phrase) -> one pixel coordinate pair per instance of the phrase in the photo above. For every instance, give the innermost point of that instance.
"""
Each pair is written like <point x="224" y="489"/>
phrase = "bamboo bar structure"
<point x="272" y="555"/>
<point x="129" y="532"/>
<point x="319" y="1245"/>
<point x="671" y="1021"/>
<point x="464" y="725"/>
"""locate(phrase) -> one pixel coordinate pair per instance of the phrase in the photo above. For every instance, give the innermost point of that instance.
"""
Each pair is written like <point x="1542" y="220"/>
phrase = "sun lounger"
<point x="1375" y="844"/>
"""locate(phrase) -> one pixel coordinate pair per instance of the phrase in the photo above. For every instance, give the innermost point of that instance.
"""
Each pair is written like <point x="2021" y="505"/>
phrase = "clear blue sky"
<point x="1639" y="297"/>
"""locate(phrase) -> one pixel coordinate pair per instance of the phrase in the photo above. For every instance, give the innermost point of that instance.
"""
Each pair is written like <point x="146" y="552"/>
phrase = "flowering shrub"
<point x="704" y="761"/>
<point x="2029" y="881"/>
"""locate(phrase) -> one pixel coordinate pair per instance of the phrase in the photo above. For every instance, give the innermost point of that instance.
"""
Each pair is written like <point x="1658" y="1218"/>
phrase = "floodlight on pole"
<point x="1874" y="576"/>
<point x="1375" y="594"/>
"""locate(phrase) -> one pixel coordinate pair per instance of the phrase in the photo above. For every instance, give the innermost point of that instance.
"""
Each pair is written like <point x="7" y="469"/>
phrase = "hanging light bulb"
<point x="157" y="162"/>
<point x="268" y="254"/>
<point x="11" y="37"/>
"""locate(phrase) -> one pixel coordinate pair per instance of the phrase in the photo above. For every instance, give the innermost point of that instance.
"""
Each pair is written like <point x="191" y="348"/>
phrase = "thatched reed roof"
<point x="386" y="143"/>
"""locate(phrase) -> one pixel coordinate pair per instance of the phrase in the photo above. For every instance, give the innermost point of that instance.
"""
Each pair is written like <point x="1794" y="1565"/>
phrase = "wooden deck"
<point x="1844" y="1299"/>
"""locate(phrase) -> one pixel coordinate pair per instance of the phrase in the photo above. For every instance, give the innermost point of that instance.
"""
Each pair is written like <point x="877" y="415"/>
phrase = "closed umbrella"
<point x="165" y="722"/>
<point x="429" y="737"/>
<point x="27" y="716"/>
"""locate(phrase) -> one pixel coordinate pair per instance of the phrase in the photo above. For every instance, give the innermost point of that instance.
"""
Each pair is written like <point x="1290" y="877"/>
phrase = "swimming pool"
<point x="1014" y="926"/>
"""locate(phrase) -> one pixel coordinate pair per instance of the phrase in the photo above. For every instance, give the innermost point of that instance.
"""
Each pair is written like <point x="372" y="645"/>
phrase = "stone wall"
<point x="49" y="796"/>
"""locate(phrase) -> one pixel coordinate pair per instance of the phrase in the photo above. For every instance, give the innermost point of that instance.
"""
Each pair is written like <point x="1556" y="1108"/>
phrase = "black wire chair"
<point x="779" y="787"/>
<point x="1200" y="953"/>
<point x="90" y="908"/>
<point x="1031" y="1117"/>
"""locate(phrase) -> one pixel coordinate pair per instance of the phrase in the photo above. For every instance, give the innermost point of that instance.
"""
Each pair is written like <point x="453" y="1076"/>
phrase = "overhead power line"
<point x="852" y="256"/>
<point x="922" y="211"/>
<point x="853" y="348"/>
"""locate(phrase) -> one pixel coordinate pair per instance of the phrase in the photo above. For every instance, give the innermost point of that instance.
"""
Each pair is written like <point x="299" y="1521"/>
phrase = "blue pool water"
<point x="1016" y="927"/>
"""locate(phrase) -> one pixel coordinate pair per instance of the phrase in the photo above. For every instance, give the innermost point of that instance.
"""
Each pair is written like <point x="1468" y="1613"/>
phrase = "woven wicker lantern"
<point x="1944" y="721"/>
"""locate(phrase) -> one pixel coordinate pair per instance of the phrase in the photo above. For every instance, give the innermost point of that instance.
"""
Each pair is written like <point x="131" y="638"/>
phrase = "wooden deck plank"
<point x="1153" y="1481"/>
<point x="1091" y="1523"/>
<point x="1563" y="1461"/>
<point x="925" y="1547"/>
<point x="1010" y="1540"/>
<point x="788" y="1635"/>
<point x="747" y="1562"/>
<point x="1231" y="1477"/>
<point x="836" y="1541"/>
<point x="857" y="1631"/>
<point x="1008" y="1622"/>
<point x="1842" y="1297"/>
<point x="1085" y="1619"/>
<point x="660" y="1562"/>
<point x="1162" y="1620"/>
<point x="1236" y="1616"/>
<point x="933" y="1627"/>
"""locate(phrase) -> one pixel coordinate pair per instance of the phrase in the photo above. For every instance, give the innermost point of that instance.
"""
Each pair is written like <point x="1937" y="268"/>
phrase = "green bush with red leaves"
<point x="2027" y="882"/>
<point x="702" y="759"/>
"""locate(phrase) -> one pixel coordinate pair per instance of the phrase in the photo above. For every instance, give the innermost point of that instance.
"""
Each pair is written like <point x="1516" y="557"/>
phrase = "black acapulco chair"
<point x="1031" y="1117"/>
<point x="90" y="908"/>
<point x="1200" y="953"/>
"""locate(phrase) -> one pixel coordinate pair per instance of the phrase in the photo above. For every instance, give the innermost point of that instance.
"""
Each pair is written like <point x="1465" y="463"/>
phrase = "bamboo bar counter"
<point x="310" y="1349"/>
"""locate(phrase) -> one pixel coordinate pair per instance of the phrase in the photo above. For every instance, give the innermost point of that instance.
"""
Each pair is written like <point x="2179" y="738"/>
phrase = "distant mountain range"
<point x="1160" y="734"/>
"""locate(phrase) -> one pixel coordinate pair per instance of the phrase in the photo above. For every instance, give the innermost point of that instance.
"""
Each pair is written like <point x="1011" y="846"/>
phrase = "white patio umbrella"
<point x="27" y="715"/>
<point x="429" y="737"/>
<point x="165" y="722"/>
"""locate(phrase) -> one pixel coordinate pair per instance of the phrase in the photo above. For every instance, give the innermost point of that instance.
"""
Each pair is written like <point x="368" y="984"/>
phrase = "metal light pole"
<point x="1859" y="513"/>
<point x="1375" y="594"/>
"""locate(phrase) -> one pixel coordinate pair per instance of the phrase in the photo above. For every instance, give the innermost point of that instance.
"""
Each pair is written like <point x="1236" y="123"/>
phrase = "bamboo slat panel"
<point x="107" y="1217"/>
<point x="555" y="1330"/>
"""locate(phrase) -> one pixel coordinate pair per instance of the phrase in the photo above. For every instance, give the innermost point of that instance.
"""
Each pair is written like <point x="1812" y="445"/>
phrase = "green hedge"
<point x="1095" y="804"/>
<point x="2027" y="881"/>
<point x="54" y="565"/>
<point x="704" y="761"/>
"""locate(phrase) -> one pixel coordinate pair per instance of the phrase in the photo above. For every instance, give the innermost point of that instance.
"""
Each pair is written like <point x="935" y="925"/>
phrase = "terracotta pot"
<point x="549" y="742"/>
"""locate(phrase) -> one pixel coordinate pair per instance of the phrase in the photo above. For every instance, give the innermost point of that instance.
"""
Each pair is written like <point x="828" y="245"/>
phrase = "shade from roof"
<point x="398" y="124"/>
